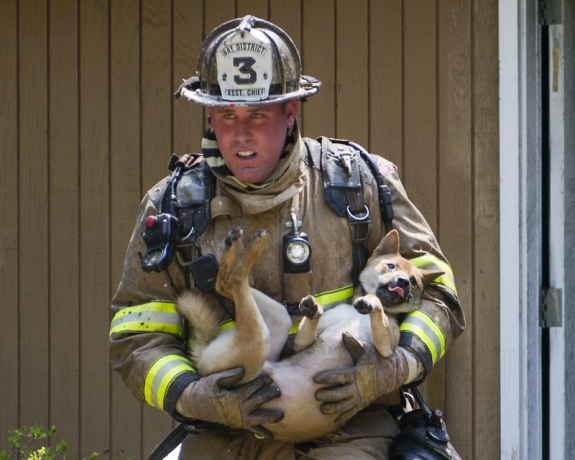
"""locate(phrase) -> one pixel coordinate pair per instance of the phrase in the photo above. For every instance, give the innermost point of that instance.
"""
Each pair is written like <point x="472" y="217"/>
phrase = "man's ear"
<point x="291" y="112"/>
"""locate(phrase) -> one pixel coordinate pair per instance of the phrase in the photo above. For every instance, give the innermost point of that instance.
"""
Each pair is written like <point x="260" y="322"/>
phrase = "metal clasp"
<point x="359" y="225"/>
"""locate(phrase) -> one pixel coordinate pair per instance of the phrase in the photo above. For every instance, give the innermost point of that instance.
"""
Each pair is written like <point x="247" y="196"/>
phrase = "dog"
<point x="393" y="286"/>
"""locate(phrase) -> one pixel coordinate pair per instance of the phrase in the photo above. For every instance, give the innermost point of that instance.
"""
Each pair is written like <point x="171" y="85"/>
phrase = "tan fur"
<point x="318" y="342"/>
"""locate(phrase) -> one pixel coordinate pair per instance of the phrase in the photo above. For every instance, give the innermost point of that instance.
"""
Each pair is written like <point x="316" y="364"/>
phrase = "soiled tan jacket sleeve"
<point x="133" y="351"/>
<point x="429" y="332"/>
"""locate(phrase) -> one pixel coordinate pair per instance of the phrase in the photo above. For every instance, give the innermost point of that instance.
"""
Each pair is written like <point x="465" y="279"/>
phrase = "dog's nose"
<point x="403" y="282"/>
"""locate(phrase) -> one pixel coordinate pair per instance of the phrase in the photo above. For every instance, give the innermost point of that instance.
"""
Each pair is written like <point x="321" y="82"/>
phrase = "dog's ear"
<point x="389" y="245"/>
<point x="427" y="276"/>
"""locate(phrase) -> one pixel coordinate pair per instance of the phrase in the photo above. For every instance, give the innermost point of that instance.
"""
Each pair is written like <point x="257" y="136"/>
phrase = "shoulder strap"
<point x="384" y="194"/>
<point x="331" y="156"/>
<point x="345" y="165"/>
<point x="183" y="201"/>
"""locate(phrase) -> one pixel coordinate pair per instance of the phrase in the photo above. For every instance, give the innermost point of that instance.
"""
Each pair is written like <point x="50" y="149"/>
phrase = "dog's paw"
<point x="234" y="235"/>
<point x="367" y="304"/>
<point x="310" y="308"/>
<point x="262" y="235"/>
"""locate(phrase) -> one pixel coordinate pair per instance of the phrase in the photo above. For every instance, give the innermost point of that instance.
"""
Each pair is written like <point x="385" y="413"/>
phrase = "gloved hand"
<point x="354" y="388"/>
<point x="211" y="399"/>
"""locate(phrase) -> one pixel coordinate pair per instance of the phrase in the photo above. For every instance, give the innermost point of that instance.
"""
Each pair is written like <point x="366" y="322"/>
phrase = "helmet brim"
<point x="209" y="100"/>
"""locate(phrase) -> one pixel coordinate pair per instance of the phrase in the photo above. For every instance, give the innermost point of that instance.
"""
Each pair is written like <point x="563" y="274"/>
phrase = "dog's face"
<point x="393" y="279"/>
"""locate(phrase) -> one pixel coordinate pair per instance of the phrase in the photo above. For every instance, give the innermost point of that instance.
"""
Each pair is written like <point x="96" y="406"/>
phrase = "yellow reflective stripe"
<point x="430" y="262"/>
<point x="329" y="300"/>
<point x="161" y="375"/>
<point x="332" y="298"/>
<point x="420" y="324"/>
<point x="229" y="324"/>
<point x="293" y="329"/>
<point x="155" y="316"/>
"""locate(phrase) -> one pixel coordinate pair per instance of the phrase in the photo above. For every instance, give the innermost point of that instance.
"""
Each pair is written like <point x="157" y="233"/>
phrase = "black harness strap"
<point x="345" y="166"/>
<point x="173" y="440"/>
<point x="382" y="189"/>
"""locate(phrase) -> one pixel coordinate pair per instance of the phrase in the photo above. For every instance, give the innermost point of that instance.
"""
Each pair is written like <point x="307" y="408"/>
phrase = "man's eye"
<point x="229" y="116"/>
<point x="257" y="115"/>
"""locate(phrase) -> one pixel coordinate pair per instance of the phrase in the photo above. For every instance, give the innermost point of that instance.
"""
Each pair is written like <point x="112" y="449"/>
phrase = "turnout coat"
<point x="147" y="335"/>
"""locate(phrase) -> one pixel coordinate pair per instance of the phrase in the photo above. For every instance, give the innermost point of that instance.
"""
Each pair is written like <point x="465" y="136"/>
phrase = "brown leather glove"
<point x="356" y="387"/>
<point x="211" y="399"/>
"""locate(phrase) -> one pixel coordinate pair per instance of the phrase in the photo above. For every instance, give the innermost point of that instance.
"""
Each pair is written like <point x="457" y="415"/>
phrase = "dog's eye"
<point x="412" y="281"/>
<point x="391" y="266"/>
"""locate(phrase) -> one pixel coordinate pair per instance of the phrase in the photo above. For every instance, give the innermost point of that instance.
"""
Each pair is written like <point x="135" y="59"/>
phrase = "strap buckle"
<point x="187" y="251"/>
<point x="360" y="225"/>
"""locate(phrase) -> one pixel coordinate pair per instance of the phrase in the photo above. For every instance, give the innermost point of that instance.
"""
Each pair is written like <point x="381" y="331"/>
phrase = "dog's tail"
<point x="203" y="317"/>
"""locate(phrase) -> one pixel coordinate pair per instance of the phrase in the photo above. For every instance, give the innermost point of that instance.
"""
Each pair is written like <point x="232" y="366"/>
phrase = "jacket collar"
<point x="282" y="188"/>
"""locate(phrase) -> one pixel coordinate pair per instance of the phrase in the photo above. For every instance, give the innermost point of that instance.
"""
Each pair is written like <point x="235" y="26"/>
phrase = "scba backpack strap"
<point x="183" y="201"/>
<point x="346" y="166"/>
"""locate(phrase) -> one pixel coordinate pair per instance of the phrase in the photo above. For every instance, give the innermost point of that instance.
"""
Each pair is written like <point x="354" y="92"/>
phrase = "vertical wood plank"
<point x="420" y="106"/>
<point x="318" y="60"/>
<point x="125" y="189"/>
<point x="33" y="212"/>
<point x="95" y="293"/>
<point x="287" y="15"/>
<point x="385" y="80"/>
<point x="257" y="8"/>
<point x="216" y="13"/>
<point x="352" y="70"/>
<point x="64" y="225"/>
<point x="156" y="95"/>
<point x="456" y="201"/>
<point x="188" y="36"/>
<point x="420" y="132"/>
<point x="9" y="270"/>
<point x="486" y="301"/>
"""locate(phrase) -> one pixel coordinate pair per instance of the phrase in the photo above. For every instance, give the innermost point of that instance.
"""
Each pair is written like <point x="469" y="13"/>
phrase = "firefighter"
<point x="257" y="171"/>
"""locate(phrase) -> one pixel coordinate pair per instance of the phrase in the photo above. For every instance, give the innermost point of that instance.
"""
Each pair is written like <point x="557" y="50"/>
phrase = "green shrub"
<point x="24" y="442"/>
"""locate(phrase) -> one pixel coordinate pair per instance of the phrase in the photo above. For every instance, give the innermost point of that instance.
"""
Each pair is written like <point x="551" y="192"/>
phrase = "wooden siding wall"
<point x="87" y="123"/>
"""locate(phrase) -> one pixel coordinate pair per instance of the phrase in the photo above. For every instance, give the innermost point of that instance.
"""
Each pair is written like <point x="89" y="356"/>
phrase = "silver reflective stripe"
<point x="149" y="317"/>
<point x="421" y="325"/>
<point x="161" y="375"/>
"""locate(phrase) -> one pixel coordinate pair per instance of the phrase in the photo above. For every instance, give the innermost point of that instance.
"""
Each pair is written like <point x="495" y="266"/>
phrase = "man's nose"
<point x="243" y="130"/>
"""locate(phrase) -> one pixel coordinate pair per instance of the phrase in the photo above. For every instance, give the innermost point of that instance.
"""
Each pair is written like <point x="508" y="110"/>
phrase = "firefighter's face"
<point x="251" y="139"/>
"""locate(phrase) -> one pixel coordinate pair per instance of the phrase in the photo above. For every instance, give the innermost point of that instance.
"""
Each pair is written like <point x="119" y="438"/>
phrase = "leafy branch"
<point x="21" y="441"/>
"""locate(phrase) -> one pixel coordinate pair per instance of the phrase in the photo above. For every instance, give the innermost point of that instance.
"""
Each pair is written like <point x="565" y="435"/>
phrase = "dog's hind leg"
<point x="307" y="330"/>
<point x="247" y="344"/>
<point x="229" y="258"/>
<point x="277" y="320"/>
<point x="384" y="337"/>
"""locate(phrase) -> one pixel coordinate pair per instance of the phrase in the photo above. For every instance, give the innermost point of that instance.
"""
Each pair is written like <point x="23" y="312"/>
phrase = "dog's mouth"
<point x="398" y="290"/>
<point x="392" y="294"/>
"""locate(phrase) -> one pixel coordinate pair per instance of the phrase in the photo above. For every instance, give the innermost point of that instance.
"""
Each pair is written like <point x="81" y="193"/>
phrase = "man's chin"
<point x="250" y="177"/>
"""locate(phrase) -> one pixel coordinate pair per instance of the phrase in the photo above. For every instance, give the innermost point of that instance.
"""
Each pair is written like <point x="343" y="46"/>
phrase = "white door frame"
<point x="520" y="239"/>
<point x="520" y="231"/>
